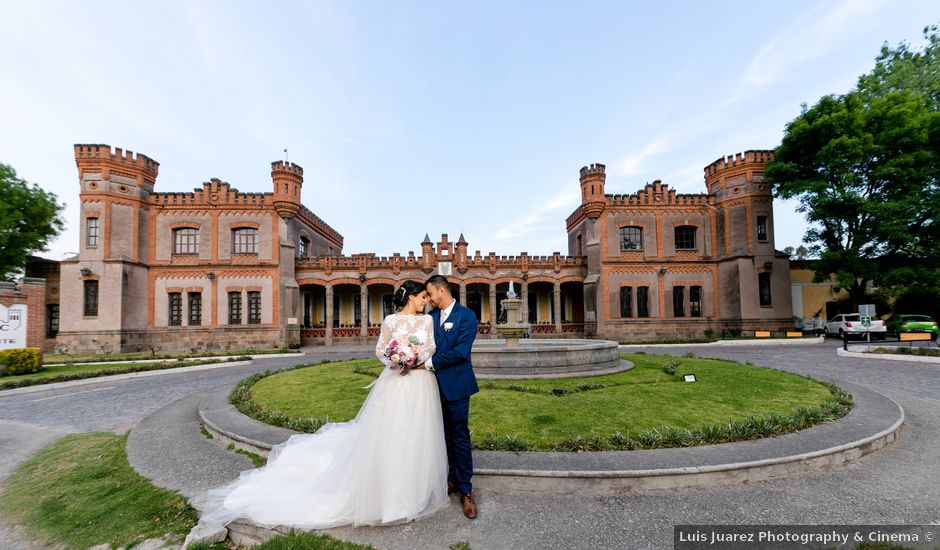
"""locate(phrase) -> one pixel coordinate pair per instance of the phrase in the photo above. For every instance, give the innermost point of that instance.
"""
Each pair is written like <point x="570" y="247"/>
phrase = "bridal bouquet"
<point x="404" y="353"/>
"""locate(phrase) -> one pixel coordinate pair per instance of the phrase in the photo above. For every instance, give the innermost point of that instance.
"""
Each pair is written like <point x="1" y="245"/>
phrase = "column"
<point x="557" y="298"/>
<point x="363" y="309"/>
<point x="463" y="293"/>
<point x="493" y="310"/>
<point x="329" y="315"/>
<point x="525" y="300"/>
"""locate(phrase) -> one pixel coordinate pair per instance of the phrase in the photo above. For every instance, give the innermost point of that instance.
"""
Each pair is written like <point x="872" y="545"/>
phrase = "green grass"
<point x="297" y="541"/>
<point x="80" y="491"/>
<point x="641" y="408"/>
<point x="65" y="373"/>
<point x="53" y="358"/>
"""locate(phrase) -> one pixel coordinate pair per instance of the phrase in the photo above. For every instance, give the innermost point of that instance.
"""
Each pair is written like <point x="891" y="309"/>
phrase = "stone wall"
<point x="642" y="330"/>
<point x="179" y="339"/>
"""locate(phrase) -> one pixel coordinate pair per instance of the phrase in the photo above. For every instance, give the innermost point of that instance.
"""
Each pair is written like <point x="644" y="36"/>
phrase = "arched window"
<point x="303" y="247"/>
<point x="245" y="240"/>
<point x="685" y="237"/>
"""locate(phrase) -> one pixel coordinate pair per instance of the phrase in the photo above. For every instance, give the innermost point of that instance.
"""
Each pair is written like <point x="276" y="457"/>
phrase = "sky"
<point x="427" y="117"/>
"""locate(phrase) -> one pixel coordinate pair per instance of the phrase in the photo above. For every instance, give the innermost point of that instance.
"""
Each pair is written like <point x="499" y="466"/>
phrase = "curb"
<point x="117" y="377"/>
<point x="757" y="342"/>
<point x="888" y="357"/>
<point x="582" y="474"/>
<point x="208" y="357"/>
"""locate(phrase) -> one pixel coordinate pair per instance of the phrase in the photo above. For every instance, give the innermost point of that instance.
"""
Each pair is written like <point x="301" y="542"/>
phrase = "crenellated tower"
<point x="593" y="178"/>
<point x="744" y="200"/>
<point x="288" y="179"/>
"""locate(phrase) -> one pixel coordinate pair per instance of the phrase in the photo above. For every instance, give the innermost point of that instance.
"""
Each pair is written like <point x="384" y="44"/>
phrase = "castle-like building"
<point x="216" y="268"/>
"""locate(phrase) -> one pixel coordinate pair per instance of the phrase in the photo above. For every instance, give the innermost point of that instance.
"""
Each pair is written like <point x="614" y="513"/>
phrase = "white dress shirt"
<point x="445" y="313"/>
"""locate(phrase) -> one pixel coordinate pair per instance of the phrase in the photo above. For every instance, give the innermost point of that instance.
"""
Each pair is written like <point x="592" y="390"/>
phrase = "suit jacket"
<point x="451" y="360"/>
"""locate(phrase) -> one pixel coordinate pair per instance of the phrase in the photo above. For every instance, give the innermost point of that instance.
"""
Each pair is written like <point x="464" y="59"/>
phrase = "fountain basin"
<point x="543" y="358"/>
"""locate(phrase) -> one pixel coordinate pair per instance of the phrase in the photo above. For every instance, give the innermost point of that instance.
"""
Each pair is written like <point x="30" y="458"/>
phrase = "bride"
<point x="388" y="465"/>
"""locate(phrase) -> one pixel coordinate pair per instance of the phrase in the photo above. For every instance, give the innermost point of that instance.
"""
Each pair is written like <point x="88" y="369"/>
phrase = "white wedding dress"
<point x="388" y="465"/>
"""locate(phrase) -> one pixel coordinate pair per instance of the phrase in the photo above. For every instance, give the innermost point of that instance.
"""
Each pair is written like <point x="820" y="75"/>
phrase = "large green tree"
<point x="865" y="167"/>
<point x="29" y="219"/>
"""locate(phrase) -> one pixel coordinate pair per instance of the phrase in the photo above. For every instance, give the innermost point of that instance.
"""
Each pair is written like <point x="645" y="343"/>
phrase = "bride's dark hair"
<point x="405" y="291"/>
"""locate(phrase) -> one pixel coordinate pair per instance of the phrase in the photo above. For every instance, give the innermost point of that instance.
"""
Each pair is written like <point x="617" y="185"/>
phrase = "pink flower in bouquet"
<point x="404" y="354"/>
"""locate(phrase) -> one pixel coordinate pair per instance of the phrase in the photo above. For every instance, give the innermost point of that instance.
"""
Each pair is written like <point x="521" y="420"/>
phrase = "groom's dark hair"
<point x="439" y="281"/>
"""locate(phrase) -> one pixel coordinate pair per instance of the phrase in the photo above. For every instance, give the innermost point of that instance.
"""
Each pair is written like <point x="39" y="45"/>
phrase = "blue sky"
<point x="427" y="117"/>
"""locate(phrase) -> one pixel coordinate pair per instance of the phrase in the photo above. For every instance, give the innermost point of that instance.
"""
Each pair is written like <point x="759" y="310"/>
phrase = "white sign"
<point x="13" y="326"/>
<point x="444" y="268"/>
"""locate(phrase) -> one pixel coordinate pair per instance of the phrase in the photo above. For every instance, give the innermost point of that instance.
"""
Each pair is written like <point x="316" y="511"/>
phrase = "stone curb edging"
<point x="220" y="420"/>
<point x="117" y="377"/>
<point x="755" y="342"/>
<point x="888" y="357"/>
<point x="208" y="358"/>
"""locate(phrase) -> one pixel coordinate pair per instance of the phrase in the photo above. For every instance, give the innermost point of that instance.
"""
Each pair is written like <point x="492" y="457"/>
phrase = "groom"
<point x="455" y="328"/>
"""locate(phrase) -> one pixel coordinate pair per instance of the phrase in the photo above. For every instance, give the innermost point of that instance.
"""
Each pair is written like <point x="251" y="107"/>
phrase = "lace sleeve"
<point x="427" y="351"/>
<point x="385" y="336"/>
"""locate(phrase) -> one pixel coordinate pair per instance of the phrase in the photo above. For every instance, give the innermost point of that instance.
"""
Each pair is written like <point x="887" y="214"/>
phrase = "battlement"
<point x="288" y="167"/>
<point x="742" y="166"/>
<point x="98" y="157"/>
<point x="596" y="169"/>
<point x="761" y="156"/>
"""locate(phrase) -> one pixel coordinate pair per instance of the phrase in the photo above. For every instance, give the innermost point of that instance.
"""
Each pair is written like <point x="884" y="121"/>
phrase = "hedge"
<point x="20" y="361"/>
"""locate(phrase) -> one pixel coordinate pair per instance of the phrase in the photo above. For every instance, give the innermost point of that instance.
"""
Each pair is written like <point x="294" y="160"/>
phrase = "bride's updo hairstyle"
<point x="405" y="291"/>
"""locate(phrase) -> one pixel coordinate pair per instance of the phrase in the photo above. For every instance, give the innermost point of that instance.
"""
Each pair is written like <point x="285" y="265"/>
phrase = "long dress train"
<point x="388" y="465"/>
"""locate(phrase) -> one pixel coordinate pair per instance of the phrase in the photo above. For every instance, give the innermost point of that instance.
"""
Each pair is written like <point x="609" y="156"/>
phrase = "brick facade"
<point x="165" y="269"/>
<point x="216" y="268"/>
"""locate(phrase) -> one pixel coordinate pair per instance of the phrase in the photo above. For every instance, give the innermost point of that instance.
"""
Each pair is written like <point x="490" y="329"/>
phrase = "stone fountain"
<point x="544" y="357"/>
<point x="514" y="327"/>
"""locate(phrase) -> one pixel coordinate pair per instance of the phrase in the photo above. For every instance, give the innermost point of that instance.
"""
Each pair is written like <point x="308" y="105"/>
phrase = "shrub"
<point x="20" y="361"/>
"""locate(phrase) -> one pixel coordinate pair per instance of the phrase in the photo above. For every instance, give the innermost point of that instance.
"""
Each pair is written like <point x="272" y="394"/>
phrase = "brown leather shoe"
<point x="469" y="505"/>
<point x="451" y="487"/>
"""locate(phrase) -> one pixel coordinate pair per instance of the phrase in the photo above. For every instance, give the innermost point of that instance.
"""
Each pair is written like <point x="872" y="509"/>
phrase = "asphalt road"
<point x="895" y="485"/>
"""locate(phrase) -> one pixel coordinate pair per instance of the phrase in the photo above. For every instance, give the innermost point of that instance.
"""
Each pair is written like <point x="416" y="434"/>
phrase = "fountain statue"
<point x="513" y="327"/>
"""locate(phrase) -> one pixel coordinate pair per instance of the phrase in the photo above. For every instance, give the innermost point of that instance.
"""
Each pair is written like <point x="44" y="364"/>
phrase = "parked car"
<point x="851" y="324"/>
<point x="912" y="323"/>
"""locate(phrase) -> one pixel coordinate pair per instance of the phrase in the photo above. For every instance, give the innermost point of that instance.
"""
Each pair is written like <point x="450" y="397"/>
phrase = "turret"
<point x="593" y="201"/>
<point x="427" y="253"/>
<point x="744" y="168"/>
<point x="288" y="180"/>
<point x="97" y="163"/>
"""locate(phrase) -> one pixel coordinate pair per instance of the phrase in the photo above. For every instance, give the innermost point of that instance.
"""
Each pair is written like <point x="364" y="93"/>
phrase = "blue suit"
<point x="456" y="381"/>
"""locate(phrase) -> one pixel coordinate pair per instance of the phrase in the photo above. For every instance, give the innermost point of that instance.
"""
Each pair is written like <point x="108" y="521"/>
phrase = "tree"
<point x="901" y="69"/>
<point x="29" y="219"/>
<point x="865" y="167"/>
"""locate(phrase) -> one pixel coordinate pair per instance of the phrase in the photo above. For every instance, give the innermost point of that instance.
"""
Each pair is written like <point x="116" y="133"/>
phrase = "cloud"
<point x="547" y="213"/>
<point x="631" y="165"/>
<point x="809" y="37"/>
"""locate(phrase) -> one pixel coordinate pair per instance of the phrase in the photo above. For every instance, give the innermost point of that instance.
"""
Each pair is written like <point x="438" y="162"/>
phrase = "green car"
<point x="912" y="323"/>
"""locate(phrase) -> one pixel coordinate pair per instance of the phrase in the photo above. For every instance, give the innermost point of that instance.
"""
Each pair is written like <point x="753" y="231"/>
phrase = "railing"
<point x="572" y="327"/>
<point x="338" y="332"/>
<point x="543" y="329"/>
<point x="483" y="329"/>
